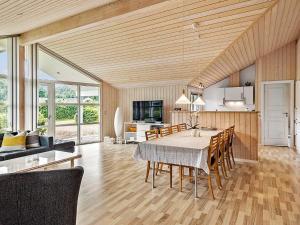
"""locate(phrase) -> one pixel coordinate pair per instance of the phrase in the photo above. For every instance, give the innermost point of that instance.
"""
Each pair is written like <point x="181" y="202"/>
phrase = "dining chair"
<point x="221" y="154"/>
<point x="212" y="162"/>
<point x="231" y="143"/>
<point x="150" y="135"/>
<point x="40" y="197"/>
<point x="182" y="127"/>
<point x="165" y="131"/>
<point x="174" y="129"/>
<point x="226" y="149"/>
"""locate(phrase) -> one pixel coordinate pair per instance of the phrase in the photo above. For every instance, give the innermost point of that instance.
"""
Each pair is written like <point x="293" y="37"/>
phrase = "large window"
<point x="5" y="104"/>
<point x="76" y="109"/>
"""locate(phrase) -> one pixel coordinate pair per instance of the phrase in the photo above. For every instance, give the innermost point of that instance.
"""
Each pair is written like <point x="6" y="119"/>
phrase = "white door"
<point x="297" y="117"/>
<point x="276" y="114"/>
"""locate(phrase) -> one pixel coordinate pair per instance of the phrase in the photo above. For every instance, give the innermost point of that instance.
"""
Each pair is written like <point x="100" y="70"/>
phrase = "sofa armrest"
<point x="46" y="141"/>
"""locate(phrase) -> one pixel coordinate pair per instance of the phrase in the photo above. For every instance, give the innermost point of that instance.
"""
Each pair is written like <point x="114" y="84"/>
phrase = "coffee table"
<point x="38" y="161"/>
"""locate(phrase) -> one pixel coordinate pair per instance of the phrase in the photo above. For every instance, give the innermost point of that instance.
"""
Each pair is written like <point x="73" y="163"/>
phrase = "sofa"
<point x="46" y="144"/>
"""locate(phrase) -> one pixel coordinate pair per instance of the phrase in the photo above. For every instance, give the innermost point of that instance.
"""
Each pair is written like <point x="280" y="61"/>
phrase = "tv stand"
<point x="135" y="131"/>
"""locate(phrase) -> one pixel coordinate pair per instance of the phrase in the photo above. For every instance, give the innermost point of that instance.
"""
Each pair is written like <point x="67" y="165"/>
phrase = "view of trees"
<point x="3" y="104"/>
<point x="67" y="113"/>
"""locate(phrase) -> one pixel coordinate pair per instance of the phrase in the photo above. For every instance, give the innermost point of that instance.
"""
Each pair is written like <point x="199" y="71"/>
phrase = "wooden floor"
<point x="114" y="192"/>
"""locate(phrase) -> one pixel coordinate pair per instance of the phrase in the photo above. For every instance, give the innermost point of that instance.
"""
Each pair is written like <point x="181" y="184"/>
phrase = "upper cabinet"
<point x="234" y="93"/>
<point x="249" y="95"/>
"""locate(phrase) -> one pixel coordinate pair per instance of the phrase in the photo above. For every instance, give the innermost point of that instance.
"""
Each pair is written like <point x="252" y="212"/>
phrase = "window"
<point x="5" y="104"/>
<point x="193" y="97"/>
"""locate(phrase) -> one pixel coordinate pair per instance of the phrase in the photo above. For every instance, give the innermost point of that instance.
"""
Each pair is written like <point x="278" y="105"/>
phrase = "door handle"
<point x="286" y="114"/>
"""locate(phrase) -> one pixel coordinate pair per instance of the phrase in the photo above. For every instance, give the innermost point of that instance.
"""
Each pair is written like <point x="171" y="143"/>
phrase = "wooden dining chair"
<point x="213" y="162"/>
<point x="226" y="149"/>
<point x="150" y="135"/>
<point x="182" y="127"/>
<point x="231" y="143"/>
<point x="165" y="131"/>
<point x="174" y="129"/>
<point x="221" y="154"/>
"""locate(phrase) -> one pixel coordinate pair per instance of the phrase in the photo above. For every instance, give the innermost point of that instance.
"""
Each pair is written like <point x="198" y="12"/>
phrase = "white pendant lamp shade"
<point x="183" y="100"/>
<point x="199" y="101"/>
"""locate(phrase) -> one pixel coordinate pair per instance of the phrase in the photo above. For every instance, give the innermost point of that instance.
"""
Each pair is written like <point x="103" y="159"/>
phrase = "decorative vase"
<point x="118" y="124"/>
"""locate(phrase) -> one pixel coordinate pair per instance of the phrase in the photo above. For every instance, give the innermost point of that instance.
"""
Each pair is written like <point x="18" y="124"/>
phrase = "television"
<point x="148" y="111"/>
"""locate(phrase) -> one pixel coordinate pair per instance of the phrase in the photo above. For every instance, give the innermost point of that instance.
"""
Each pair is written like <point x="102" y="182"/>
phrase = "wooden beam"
<point x="85" y="19"/>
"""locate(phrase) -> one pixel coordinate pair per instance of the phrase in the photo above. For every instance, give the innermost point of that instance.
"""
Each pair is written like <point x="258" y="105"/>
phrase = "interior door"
<point x="276" y="114"/>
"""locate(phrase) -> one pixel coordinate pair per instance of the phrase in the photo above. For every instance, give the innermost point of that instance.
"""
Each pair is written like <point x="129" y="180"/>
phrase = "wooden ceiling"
<point x="158" y="44"/>
<point x="18" y="16"/>
<point x="277" y="27"/>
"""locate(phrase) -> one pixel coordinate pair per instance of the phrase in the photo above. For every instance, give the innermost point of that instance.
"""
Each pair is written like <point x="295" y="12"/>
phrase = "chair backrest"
<point x="231" y="135"/>
<point x="221" y="144"/>
<point x="174" y="129"/>
<point x="40" y="198"/>
<point x="151" y="134"/>
<point x="182" y="127"/>
<point x="213" y="150"/>
<point x="164" y="131"/>
<point x="226" y="138"/>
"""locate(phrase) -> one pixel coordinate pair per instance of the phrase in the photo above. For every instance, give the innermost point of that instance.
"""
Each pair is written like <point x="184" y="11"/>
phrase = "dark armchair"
<point x="40" y="198"/>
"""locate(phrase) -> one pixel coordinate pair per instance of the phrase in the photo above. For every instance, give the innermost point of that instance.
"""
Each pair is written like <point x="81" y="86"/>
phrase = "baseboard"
<point x="246" y="160"/>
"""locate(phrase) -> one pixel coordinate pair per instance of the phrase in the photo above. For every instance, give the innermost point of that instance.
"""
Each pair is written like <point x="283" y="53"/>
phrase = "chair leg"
<point x="171" y="171"/>
<point x="222" y="164"/>
<point x="147" y="171"/>
<point x="191" y="175"/>
<point x="160" y="167"/>
<point x="180" y="177"/>
<point x="218" y="178"/>
<point x="157" y="168"/>
<point x="231" y="153"/>
<point x="228" y="161"/>
<point x="210" y="186"/>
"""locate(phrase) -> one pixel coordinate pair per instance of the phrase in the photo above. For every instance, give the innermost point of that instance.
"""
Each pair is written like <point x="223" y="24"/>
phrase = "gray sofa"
<point x="45" y="142"/>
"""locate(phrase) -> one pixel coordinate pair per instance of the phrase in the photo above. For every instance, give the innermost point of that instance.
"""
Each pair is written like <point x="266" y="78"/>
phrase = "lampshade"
<point x="199" y="101"/>
<point x="183" y="100"/>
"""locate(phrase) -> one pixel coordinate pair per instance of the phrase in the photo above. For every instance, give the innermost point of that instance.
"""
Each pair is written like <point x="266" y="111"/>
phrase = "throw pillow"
<point x="33" y="139"/>
<point x="13" y="142"/>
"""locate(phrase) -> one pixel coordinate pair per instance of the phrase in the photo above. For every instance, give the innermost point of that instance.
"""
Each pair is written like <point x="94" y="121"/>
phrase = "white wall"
<point x="247" y="74"/>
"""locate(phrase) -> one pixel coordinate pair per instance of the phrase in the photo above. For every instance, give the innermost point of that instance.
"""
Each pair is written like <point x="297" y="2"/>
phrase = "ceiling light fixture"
<point x="183" y="100"/>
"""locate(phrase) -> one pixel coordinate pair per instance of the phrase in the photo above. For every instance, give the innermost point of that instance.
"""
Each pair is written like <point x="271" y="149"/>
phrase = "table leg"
<point x="153" y="174"/>
<point x="196" y="191"/>
<point x="72" y="163"/>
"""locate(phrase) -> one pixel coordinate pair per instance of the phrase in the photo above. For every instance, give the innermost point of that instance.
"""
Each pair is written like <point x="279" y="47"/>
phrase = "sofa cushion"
<point x="13" y="142"/>
<point x="33" y="139"/>
<point x="16" y="154"/>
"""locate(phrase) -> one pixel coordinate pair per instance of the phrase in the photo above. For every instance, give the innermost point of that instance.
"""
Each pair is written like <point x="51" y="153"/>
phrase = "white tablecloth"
<point x="180" y="149"/>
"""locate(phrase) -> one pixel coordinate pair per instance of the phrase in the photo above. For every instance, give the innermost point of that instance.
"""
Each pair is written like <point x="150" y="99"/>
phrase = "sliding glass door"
<point x="74" y="114"/>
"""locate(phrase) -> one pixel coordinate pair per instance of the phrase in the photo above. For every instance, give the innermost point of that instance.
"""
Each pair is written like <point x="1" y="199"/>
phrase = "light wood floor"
<point x="114" y="192"/>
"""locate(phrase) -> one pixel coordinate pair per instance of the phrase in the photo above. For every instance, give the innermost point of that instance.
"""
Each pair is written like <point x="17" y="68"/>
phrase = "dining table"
<point x="186" y="148"/>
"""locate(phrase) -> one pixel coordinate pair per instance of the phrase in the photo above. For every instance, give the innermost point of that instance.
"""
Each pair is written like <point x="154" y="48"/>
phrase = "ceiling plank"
<point x="85" y="19"/>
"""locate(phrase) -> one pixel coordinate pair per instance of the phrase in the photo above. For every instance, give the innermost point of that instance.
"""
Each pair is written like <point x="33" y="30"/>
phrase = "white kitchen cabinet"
<point x="248" y="95"/>
<point x="220" y="96"/>
<point x="234" y="93"/>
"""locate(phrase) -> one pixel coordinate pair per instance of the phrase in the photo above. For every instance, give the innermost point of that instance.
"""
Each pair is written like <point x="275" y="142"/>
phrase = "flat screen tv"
<point x="148" y="111"/>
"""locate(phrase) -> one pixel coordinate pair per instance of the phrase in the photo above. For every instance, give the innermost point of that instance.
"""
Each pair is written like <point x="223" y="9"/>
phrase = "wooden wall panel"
<point x="246" y="133"/>
<point x="277" y="65"/>
<point x="109" y="106"/>
<point x="298" y="60"/>
<point x="169" y="94"/>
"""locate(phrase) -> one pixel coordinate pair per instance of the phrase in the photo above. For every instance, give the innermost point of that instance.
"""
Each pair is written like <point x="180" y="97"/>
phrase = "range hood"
<point x="234" y="96"/>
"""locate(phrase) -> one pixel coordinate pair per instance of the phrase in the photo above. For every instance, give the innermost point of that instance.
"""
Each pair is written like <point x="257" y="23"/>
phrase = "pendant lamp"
<point x="183" y="100"/>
